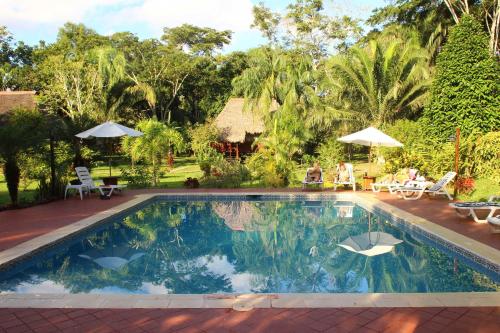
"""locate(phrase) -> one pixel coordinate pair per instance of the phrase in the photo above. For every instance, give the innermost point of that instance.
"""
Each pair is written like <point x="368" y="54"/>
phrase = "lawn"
<point x="186" y="167"/>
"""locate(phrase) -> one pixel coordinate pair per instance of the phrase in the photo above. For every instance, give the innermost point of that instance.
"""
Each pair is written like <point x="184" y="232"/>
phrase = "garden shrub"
<point x="137" y="176"/>
<point x="484" y="156"/>
<point x="203" y="140"/>
<point x="227" y="174"/>
<point x="265" y="168"/>
<point x="465" y="90"/>
<point x="330" y="153"/>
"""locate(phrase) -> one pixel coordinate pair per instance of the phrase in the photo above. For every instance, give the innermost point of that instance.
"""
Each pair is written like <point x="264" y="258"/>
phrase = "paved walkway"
<point x="400" y="320"/>
<point x="17" y="226"/>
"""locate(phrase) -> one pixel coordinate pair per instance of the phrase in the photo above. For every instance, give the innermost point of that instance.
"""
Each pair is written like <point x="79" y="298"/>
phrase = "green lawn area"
<point x="186" y="167"/>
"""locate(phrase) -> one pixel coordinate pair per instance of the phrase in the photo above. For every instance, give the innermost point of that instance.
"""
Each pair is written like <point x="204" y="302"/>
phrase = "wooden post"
<point x="457" y="158"/>
<point x="237" y="151"/>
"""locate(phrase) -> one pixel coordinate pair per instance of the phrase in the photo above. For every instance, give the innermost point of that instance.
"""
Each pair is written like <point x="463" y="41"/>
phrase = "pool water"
<point x="260" y="246"/>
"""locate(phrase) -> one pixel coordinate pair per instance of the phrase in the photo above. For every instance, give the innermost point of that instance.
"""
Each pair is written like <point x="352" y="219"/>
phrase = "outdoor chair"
<point x="393" y="185"/>
<point x="415" y="190"/>
<point x="470" y="209"/>
<point x="307" y="180"/>
<point x="351" y="181"/>
<point x="87" y="184"/>
<point x="494" y="222"/>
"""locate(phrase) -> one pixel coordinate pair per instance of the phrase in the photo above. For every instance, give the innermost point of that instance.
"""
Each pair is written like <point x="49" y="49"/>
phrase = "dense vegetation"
<point x="425" y="68"/>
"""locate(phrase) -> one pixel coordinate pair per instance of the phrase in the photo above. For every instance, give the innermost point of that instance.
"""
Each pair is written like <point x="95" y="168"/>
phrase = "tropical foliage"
<point x="157" y="140"/>
<point x="466" y="88"/>
<point x="424" y="68"/>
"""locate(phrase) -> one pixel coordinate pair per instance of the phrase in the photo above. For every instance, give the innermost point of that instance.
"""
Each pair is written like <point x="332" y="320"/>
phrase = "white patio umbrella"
<point x="371" y="137"/>
<point x="370" y="243"/>
<point x="112" y="258"/>
<point x="108" y="129"/>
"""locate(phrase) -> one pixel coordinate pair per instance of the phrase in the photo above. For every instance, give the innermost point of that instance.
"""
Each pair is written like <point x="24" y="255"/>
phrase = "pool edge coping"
<point x="36" y="244"/>
<point x="250" y="301"/>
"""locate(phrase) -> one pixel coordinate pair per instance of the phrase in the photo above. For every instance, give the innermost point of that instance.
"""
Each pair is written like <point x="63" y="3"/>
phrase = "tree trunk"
<point x="52" y="167"/>
<point x="12" y="175"/>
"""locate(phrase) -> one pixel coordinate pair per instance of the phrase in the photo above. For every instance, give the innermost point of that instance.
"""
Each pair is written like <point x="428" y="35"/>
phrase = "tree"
<point x="381" y="82"/>
<point x="465" y="91"/>
<point x="117" y="88"/>
<point x="153" y="145"/>
<point x="20" y="131"/>
<point x="196" y="40"/>
<point x="306" y="27"/>
<point x="276" y="78"/>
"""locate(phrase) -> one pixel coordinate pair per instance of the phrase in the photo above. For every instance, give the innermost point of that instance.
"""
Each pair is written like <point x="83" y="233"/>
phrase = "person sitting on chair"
<point x="343" y="173"/>
<point x="314" y="173"/>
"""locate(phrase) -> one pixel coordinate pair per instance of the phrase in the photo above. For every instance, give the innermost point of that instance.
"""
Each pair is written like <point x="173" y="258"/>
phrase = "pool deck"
<point x="19" y="226"/>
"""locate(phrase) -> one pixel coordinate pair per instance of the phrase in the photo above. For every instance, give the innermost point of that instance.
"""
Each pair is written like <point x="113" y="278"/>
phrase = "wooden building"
<point x="238" y="127"/>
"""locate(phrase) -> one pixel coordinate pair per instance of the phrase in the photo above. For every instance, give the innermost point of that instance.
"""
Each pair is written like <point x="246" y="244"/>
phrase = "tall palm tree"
<point x="382" y="81"/>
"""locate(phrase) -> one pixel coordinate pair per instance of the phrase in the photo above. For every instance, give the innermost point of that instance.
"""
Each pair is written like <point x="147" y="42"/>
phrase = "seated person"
<point x="314" y="173"/>
<point x="343" y="173"/>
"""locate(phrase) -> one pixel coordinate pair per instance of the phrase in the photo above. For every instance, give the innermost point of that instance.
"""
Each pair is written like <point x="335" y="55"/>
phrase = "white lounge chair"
<point x="318" y="182"/>
<point x="392" y="186"/>
<point x="351" y="181"/>
<point x="470" y="209"/>
<point x="416" y="189"/>
<point x="494" y="222"/>
<point x="89" y="185"/>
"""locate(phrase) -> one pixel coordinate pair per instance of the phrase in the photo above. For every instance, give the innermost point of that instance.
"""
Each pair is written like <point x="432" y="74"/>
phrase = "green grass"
<point x="185" y="167"/>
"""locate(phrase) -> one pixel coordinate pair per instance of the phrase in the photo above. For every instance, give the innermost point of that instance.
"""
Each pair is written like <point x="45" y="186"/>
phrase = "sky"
<point x="34" y="20"/>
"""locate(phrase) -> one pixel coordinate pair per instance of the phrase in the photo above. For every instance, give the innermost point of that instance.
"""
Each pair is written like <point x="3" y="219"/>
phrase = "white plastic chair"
<point x="351" y="181"/>
<point x="306" y="180"/>
<point x="416" y="192"/>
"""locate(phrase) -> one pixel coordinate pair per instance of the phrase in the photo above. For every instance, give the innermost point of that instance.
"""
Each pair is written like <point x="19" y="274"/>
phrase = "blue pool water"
<point x="261" y="246"/>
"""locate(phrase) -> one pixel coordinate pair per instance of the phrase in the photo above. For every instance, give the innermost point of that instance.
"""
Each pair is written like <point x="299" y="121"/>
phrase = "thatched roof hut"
<point x="10" y="100"/>
<point x="238" y="125"/>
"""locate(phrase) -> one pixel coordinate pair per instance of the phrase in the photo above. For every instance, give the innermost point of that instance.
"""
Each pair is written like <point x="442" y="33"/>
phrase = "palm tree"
<point x="382" y="81"/>
<point x="157" y="139"/>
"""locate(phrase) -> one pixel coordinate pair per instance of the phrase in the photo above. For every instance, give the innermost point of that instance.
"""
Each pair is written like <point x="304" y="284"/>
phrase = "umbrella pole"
<point x="109" y="157"/>
<point x="370" y="160"/>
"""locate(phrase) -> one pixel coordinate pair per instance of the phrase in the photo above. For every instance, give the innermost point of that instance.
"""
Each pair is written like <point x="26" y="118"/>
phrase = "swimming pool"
<point x="248" y="244"/>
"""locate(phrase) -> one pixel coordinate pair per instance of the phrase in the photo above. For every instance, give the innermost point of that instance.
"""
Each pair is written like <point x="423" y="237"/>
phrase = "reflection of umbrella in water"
<point x="112" y="258"/>
<point x="237" y="215"/>
<point x="370" y="243"/>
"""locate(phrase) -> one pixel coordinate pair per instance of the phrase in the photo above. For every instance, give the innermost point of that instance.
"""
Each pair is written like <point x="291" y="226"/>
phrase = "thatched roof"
<point x="10" y="100"/>
<point x="235" y="123"/>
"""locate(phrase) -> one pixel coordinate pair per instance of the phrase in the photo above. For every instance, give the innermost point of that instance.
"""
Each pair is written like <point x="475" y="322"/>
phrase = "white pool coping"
<point x="461" y="299"/>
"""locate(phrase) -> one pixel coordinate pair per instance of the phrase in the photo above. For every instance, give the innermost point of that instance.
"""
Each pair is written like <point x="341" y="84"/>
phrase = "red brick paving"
<point x="18" y="226"/>
<point x="338" y="320"/>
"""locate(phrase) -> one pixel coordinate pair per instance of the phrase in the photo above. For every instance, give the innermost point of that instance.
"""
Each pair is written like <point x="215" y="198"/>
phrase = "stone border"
<point x="248" y="301"/>
<point x="245" y="302"/>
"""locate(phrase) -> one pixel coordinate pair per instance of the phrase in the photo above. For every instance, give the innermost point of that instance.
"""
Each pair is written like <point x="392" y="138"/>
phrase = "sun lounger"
<point x="470" y="209"/>
<point x="307" y="180"/>
<point x="87" y="184"/>
<point x="393" y="185"/>
<point x="415" y="190"/>
<point x="351" y="181"/>
<point x="494" y="222"/>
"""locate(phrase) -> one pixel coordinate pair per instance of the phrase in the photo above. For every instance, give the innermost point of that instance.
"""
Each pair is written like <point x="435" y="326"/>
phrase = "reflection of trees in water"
<point x="287" y="246"/>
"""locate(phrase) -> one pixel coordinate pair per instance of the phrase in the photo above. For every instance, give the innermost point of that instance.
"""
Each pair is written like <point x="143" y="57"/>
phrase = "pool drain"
<point x="242" y="306"/>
